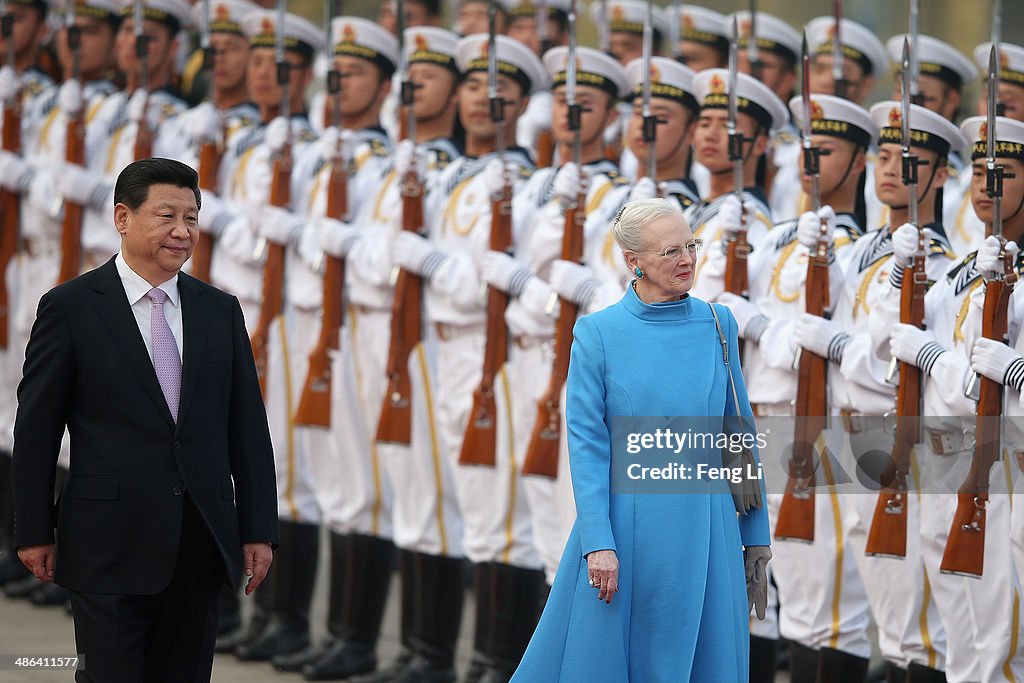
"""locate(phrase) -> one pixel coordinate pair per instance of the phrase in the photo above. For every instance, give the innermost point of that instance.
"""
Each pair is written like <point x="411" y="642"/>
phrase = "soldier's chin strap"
<point x="859" y="149"/>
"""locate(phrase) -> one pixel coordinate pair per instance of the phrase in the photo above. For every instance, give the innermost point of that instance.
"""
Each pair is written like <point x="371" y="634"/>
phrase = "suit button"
<point x="176" y="490"/>
<point x="177" y="444"/>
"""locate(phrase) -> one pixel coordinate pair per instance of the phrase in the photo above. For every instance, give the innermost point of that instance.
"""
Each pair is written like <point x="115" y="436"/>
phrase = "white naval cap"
<point x="1011" y="62"/>
<point x="593" y="67"/>
<point x="773" y="34"/>
<point x="168" y="12"/>
<point x="837" y="117"/>
<point x="97" y="9"/>
<point x="515" y="60"/>
<point x="701" y="25"/>
<point x="225" y="15"/>
<point x="859" y="43"/>
<point x="357" y="37"/>
<point x="529" y="8"/>
<point x="669" y="80"/>
<point x="629" y="16"/>
<point x="928" y="130"/>
<point x="754" y="98"/>
<point x="1009" y="137"/>
<point x="299" y="34"/>
<point x="936" y="58"/>
<point x="431" y="45"/>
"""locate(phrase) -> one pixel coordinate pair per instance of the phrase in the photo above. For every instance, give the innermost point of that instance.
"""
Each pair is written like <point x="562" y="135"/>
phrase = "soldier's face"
<point x="858" y="84"/>
<point x="161" y="44"/>
<point x="361" y="85"/>
<point x="1013" y="190"/>
<point x="97" y="42"/>
<point x="261" y="75"/>
<point x="475" y="106"/>
<point x="597" y="113"/>
<point x="524" y="29"/>
<point x="674" y="132"/>
<point x="1011" y="97"/>
<point x="473" y="19"/>
<point x="775" y="72"/>
<point x="230" y="59"/>
<point x="625" y="47"/>
<point x="699" y="56"/>
<point x="889" y="175"/>
<point x="160" y="234"/>
<point x="435" y="90"/>
<point x="936" y="95"/>
<point x="841" y="162"/>
<point x="711" y="139"/>
<point x="27" y="30"/>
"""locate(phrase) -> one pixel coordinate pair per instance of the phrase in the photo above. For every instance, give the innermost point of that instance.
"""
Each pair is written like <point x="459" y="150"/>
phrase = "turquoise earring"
<point x="639" y="273"/>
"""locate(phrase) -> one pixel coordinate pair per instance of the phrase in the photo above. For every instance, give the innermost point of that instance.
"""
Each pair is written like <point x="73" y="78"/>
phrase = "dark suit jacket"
<point x="118" y="519"/>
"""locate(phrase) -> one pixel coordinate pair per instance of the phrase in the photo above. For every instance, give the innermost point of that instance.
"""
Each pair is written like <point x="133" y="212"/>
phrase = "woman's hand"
<point x="603" y="570"/>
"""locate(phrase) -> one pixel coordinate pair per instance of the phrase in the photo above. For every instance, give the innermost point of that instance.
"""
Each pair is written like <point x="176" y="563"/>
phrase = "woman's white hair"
<point x="635" y="216"/>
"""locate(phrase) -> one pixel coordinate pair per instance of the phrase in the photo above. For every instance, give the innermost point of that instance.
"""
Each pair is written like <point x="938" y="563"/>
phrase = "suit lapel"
<point x="195" y="340"/>
<point x="112" y="305"/>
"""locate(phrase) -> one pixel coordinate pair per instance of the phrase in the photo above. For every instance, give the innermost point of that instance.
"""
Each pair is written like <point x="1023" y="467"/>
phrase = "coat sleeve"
<point x="250" y="449"/>
<point x="754" y="526"/>
<point x="44" y="406"/>
<point x="590" y="448"/>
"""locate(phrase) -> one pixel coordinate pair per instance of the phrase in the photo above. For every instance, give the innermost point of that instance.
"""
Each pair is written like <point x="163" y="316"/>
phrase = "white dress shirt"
<point x="136" y="287"/>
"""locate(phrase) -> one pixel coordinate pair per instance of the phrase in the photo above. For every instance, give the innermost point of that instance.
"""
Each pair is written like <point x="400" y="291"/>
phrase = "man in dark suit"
<point x="171" y="488"/>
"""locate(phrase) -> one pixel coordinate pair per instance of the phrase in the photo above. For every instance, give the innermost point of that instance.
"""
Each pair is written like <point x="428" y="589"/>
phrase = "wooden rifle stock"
<point x="395" y="423"/>
<point x="315" y="403"/>
<point x="542" y="452"/>
<point x="143" y="137"/>
<point x="965" y="547"/>
<point x="887" y="536"/>
<point x="736" y="253"/>
<point x="71" y="230"/>
<point x="10" y="213"/>
<point x="209" y="164"/>
<point x="480" y="442"/>
<point x="545" y="149"/>
<point x="273" y="271"/>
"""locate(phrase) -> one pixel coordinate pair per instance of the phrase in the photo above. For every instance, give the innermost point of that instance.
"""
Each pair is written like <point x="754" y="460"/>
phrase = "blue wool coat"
<point x="681" y="612"/>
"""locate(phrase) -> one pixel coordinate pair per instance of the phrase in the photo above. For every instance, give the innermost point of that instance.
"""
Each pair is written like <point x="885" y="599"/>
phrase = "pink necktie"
<point x="166" y="360"/>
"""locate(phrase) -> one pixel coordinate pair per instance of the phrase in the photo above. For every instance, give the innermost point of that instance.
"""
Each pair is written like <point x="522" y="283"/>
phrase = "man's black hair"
<point x="132" y="186"/>
<point x="433" y="7"/>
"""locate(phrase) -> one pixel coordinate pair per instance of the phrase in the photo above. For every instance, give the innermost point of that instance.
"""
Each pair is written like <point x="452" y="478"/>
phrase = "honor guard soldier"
<point x="30" y="73"/>
<point x="625" y="20"/>
<point x="842" y="132"/>
<point x="944" y="73"/>
<point x="721" y="215"/>
<point x="458" y="214"/>
<point x="471" y="17"/>
<point x="703" y="37"/>
<point x="857" y="384"/>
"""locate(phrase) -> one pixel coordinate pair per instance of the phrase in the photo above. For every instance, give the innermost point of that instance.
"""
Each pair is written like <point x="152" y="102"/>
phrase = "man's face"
<point x="699" y="56"/>
<point x="475" y="106"/>
<point x="27" y="30"/>
<point x="596" y="105"/>
<point x="711" y="139"/>
<point x="936" y="95"/>
<point x="261" y="75"/>
<point x="524" y="29"/>
<point x="473" y="19"/>
<point x="361" y="85"/>
<point x="230" y="60"/>
<point x="889" y="174"/>
<point x="1013" y="189"/>
<point x="97" y="42"/>
<point x="1010" y="96"/>
<point x="775" y="72"/>
<point x="673" y="133"/>
<point x="160" y="47"/>
<point x="840" y="163"/>
<point x="625" y="47"/>
<point x="161" y="234"/>
<point x="435" y="90"/>
<point x="857" y="87"/>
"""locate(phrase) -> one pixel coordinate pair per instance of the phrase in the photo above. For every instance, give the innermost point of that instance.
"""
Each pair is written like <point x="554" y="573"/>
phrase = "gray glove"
<point x="755" y="560"/>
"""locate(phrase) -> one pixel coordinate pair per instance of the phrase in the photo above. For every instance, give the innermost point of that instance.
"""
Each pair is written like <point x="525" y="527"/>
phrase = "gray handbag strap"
<point x="725" y="358"/>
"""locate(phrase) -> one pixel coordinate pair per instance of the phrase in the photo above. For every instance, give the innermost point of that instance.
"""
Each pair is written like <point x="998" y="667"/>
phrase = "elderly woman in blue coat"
<point x="651" y="587"/>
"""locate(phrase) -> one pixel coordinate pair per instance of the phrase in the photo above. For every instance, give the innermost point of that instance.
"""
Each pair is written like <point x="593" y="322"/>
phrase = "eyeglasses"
<point x="674" y="252"/>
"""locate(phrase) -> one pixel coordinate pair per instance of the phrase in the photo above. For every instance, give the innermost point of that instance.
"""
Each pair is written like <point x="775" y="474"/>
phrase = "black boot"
<point x="22" y="588"/>
<point x="370" y="560"/>
<point x="243" y="633"/>
<point x="393" y="671"/>
<point x="49" y="595"/>
<point x="895" y="673"/>
<point x="919" y="673"/>
<point x="803" y="663"/>
<point x="515" y="593"/>
<point x="836" y="666"/>
<point x="762" y="659"/>
<point x="437" y="616"/>
<point x="287" y="630"/>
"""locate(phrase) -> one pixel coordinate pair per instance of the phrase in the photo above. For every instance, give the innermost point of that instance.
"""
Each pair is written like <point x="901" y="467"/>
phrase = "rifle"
<point x="315" y="403"/>
<point x="74" y="153"/>
<point x="737" y="248"/>
<point x="838" y="80"/>
<point x="965" y="546"/>
<point x="753" y="52"/>
<point x="542" y="452"/>
<point x="887" y="536"/>
<point x="144" y="135"/>
<point x="479" y="445"/>
<point x="650" y="124"/>
<point x="280" y="195"/>
<point x="796" y="512"/>
<point x="210" y="153"/>
<point x="673" y="29"/>
<point x="395" y="422"/>
<point x="10" y="205"/>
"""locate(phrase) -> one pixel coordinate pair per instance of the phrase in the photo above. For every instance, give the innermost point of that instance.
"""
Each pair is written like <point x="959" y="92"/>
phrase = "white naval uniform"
<point x="787" y="155"/>
<point x="966" y="231"/>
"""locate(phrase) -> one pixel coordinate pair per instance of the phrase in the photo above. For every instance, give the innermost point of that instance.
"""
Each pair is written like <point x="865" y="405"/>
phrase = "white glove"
<point x="493" y="176"/>
<point x="335" y="237"/>
<point x="904" y="244"/>
<point x="278" y="134"/>
<point x="505" y="273"/>
<point x="808" y="228"/>
<point x="613" y="134"/>
<point x="536" y="298"/>
<point x="989" y="263"/>
<point x="574" y="282"/>
<point x="12" y="168"/>
<point x="69" y="97"/>
<point x="750" y="322"/>
<point x="567" y="183"/>
<point x="913" y="345"/>
<point x="78" y="183"/>
<point x="9" y="83"/>
<point x="416" y="254"/>
<point x="328" y="144"/>
<point x="645" y="188"/>
<point x="137" y="105"/>
<point x="277" y="224"/>
<point x="214" y="214"/>
<point x="732" y="214"/>
<point x="997" y="361"/>
<point x="820" y="336"/>
<point x="238" y="240"/>
<point x="405" y="155"/>
<point x="204" y="124"/>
